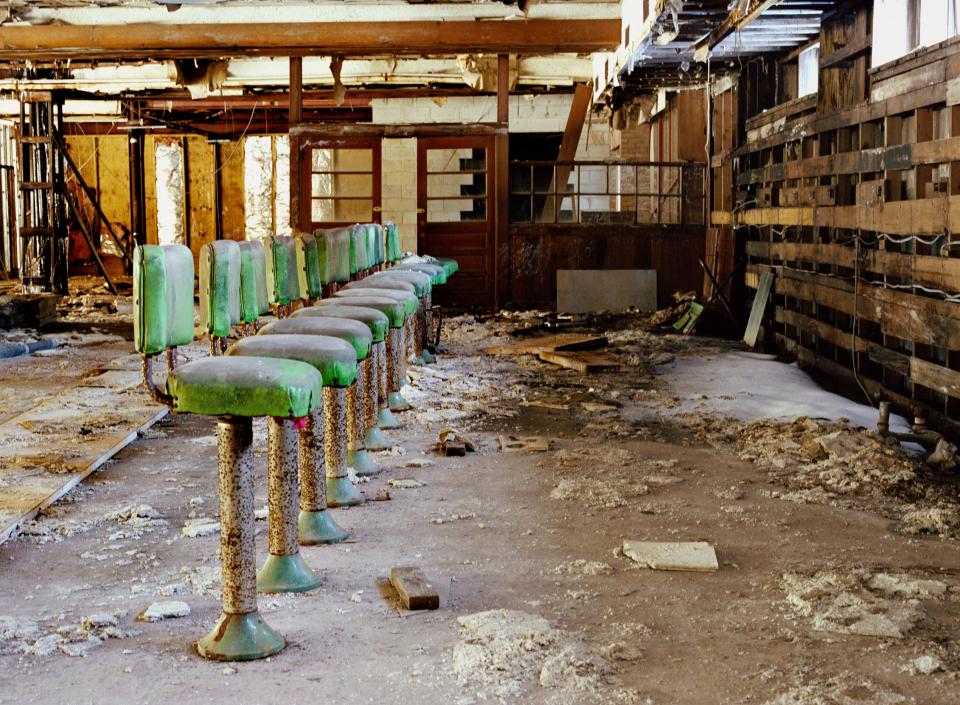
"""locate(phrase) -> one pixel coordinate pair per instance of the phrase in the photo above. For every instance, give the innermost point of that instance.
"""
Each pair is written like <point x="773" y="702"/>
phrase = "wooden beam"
<point x="294" y="117"/>
<point x="501" y="236"/>
<point x="149" y="41"/>
<point x="568" y="146"/>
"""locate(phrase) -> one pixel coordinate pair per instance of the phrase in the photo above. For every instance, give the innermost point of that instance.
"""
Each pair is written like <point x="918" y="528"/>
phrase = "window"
<point x="900" y="26"/>
<point x="344" y="183"/>
<point x="808" y="70"/>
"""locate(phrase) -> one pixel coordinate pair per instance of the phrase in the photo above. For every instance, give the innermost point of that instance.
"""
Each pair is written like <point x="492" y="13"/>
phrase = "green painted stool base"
<point x="386" y="419"/>
<point x="396" y="402"/>
<point x="363" y="464"/>
<point x="319" y="527"/>
<point x="418" y="361"/>
<point x="342" y="493"/>
<point x="428" y="357"/>
<point x="375" y="440"/>
<point x="240" y="637"/>
<point x="286" y="574"/>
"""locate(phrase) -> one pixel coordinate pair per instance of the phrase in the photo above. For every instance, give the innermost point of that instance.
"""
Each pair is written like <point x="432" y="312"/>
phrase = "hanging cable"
<point x="853" y="327"/>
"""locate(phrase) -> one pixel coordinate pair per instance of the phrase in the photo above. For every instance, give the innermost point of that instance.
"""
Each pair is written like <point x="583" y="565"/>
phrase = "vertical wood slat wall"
<point x="852" y="197"/>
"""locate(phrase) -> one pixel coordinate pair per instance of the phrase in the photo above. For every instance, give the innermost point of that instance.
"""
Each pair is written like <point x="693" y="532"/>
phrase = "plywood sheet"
<point x="697" y="556"/>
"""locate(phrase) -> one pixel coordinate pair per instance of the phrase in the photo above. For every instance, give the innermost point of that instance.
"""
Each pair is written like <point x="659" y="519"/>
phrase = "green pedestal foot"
<point x="418" y="361"/>
<point x="363" y="464"/>
<point x="428" y="357"/>
<point x="319" y="527"/>
<point x="374" y="439"/>
<point x="342" y="493"/>
<point x="286" y="574"/>
<point x="396" y="402"/>
<point x="386" y="419"/>
<point x="240" y="637"/>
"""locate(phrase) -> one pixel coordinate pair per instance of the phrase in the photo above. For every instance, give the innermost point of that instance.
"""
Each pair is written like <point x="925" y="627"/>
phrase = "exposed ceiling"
<point x="668" y="57"/>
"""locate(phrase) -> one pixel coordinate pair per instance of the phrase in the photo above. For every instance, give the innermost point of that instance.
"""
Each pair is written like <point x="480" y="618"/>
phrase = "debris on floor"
<point x="159" y="611"/>
<point x="696" y="556"/>
<point x="510" y="654"/>
<point x="413" y="588"/>
<point x="523" y="444"/>
<point x="452" y="442"/>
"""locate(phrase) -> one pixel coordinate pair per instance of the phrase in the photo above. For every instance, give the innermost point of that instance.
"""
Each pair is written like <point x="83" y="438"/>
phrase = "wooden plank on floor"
<point x="580" y="361"/>
<point x="415" y="591"/>
<point x="549" y="343"/>
<point x="50" y="448"/>
<point x="756" y="311"/>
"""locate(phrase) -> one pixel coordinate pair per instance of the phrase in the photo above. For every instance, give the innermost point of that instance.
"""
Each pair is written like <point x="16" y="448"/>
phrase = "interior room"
<point x="561" y="352"/>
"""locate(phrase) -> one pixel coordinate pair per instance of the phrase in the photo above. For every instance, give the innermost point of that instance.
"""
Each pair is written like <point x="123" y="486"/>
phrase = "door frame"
<point x="488" y="227"/>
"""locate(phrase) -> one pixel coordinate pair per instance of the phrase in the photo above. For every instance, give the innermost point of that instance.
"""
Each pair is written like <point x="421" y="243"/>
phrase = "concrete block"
<point x="588" y="290"/>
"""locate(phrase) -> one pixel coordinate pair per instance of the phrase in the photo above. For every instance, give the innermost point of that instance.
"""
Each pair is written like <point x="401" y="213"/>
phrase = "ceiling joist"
<point x="188" y="41"/>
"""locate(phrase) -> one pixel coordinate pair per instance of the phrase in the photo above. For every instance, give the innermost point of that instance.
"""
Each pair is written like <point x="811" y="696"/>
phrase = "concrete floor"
<point x="492" y="531"/>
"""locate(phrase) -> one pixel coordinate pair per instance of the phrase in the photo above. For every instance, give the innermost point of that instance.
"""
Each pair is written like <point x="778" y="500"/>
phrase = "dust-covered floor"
<point x="838" y="584"/>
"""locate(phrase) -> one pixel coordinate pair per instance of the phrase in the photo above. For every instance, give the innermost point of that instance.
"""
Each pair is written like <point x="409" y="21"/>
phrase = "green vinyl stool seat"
<point x="334" y="359"/>
<point x="309" y="275"/>
<point x="395" y="311"/>
<point x="450" y="266"/>
<point x="376" y="321"/>
<point x="351" y="331"/>
<point x="378" y="282"/>
<point x="397" y="347"/>
<point x="438" y="275"/>
<point x="378" y="325"/>
<point x="359" y="336"/>
<point x="219" y="280"/>
<point x="244" y="387"/>
<point x="418" y="280"/>
<point x="409" y="300"/>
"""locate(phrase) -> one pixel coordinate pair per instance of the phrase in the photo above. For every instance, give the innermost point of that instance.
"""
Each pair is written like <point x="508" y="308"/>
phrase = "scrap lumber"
<point x="415" y="591"/>
<point x="549" y="343"/>
<point x="581" y="361"/>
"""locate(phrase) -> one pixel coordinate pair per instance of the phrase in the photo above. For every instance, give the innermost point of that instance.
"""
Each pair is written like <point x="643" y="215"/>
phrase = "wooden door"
<point x="455" y="214"/>
<point x="340" y="183"/>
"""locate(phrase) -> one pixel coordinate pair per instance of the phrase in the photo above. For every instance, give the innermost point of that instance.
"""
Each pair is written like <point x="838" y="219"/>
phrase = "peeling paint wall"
<point x="266" y="186"/>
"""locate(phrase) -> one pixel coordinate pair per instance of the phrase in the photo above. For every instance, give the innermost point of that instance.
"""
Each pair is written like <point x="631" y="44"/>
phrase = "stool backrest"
<point x="162" y="297"/>
<point x="219" y="287"/>
<point x="283" y="285"/>
<point x="392" y="241"/>
<point x="254" y="301"/>
<point x="308" y="266"/>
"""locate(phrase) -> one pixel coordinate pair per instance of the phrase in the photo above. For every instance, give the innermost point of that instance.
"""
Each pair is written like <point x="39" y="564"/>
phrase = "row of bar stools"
<point x="235" y="390"/>
<point x="238" y="284"/>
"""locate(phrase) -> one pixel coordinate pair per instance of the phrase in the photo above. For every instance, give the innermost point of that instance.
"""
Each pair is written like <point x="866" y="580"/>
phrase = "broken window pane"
<point x="170" y="195"/>
<point x="258" y="186"/>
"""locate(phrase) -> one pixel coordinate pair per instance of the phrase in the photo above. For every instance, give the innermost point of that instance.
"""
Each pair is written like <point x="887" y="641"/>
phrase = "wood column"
<point x="501" y="237"/>
<point x="295" y="118"/>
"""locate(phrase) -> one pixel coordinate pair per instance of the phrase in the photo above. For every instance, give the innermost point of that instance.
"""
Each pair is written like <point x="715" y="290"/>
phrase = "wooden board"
<point x="580" y="361"/>
<point x="415" y="591"/>
<point x="756" y="311"/>
<point x="47" y="450"/>
<point x="549" y="343"/>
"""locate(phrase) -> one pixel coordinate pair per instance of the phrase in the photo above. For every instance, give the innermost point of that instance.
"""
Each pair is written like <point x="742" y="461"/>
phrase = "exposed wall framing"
<point x="852" y="198"/>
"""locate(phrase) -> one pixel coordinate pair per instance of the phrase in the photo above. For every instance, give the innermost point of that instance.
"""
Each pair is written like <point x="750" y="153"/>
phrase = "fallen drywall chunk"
<point x="923" y="665"/>
<point x="406" y="484"/>
<point x="696" y="556"/>
<point x="159" y="611"/>
<point x="201" y="526"/>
